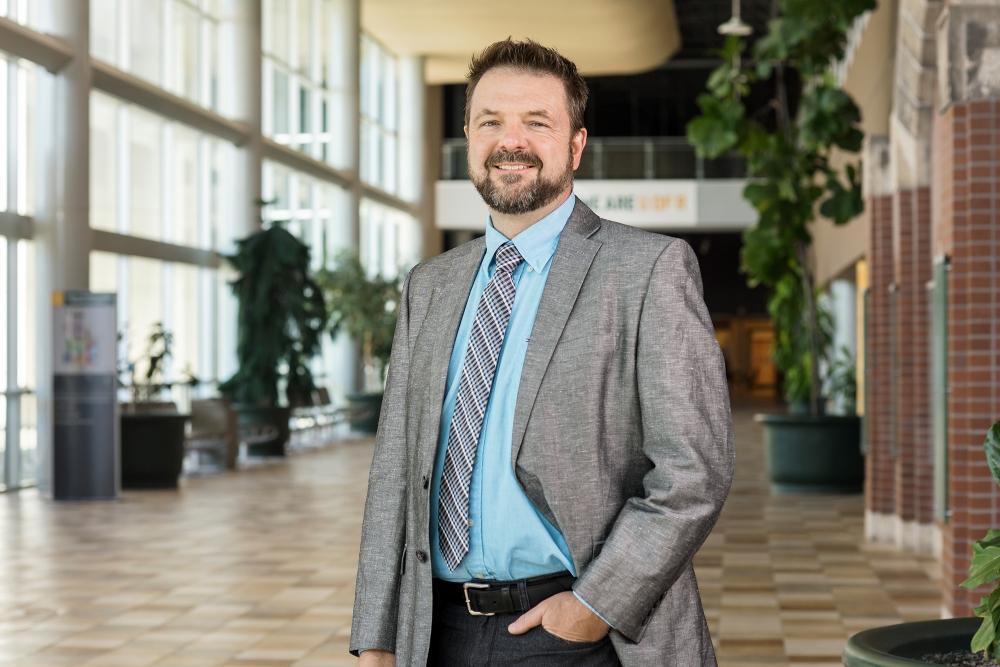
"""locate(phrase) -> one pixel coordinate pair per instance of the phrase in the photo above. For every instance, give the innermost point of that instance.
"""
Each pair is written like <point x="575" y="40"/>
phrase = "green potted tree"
<point x="365" y="307"/>
<point x="152" y="430"/>
<point x="793" y="180"/>
<point x="281" y="319"/>
<point x="951" y="642"/>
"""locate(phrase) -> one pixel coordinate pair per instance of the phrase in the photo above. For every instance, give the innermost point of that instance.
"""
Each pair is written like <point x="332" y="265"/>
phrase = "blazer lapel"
<point x="445" y="314"/>
<point x="570" y="264"/>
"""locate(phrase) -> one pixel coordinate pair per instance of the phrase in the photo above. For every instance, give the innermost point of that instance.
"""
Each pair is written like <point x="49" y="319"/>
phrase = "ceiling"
<point x="600" y="36"/>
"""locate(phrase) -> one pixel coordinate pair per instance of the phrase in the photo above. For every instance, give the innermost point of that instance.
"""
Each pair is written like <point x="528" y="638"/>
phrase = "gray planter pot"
<point x="365" y="409"/>
<point x="901" y="645"/>
<point x="808" y="454"/>
<point x="255" y="417"/>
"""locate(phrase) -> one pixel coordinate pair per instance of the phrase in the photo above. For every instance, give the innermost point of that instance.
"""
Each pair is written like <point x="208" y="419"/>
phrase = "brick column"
<point x="970" y="234"/>
<point x="880" y="500"/>
<point x="967" y="228"/>
<point x="912" y="268"/>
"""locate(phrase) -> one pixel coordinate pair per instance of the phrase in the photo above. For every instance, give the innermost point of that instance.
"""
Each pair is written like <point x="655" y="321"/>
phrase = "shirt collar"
<point x="538" y="242"/>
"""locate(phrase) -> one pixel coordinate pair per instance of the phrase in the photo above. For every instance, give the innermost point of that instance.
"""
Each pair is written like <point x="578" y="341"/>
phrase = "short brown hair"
<point x="530" y="56"/>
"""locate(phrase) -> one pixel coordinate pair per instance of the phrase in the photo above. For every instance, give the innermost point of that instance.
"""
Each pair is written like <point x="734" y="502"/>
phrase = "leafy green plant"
<point x="147" y="387"/>
<point x="364" y="306"/>
<point x="985" y="566"/>
<point x="793" y="178"/>
<point x="841" y="381"/>
<point x="282" y="317"/>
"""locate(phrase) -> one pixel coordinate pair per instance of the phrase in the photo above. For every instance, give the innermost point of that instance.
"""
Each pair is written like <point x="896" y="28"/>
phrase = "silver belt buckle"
<point x="468" y="605"/>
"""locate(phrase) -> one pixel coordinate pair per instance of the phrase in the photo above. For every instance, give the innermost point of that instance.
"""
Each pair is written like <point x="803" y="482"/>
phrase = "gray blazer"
<point x="622" y="438"/>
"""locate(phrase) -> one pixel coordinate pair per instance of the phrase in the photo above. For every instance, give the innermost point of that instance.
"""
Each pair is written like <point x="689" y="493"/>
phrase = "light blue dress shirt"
<point x="508" y="539"/>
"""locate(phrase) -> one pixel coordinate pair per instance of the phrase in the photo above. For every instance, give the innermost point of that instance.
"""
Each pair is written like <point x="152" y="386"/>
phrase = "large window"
<point x="303" y="78"/>
<point x="390" y="239"/>
<point x="18" y="345"/>
<point x="183" y="297"/>
<point x="157" y="179"/>
<point x="152" y="178"/>
<point x="170" y="185"/>
<point x="24" y="12"/>
<point x="379" y="116"/>
<point x="171" y="43"/>
<point x="319" y="214"/>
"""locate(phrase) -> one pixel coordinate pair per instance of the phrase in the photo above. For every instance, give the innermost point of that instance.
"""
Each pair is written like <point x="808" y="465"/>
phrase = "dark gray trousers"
<point x="460" y="640"/>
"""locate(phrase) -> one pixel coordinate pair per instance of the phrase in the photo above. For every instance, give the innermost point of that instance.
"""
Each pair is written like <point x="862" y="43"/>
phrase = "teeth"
<point x="511" y="168"/>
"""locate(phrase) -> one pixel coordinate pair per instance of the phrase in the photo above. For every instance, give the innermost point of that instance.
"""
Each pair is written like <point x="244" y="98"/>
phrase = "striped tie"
<point x="478" y="368"/>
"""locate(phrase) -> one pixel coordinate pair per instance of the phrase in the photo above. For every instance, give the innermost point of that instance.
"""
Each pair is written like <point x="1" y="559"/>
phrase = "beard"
<point x="505" y="197"/>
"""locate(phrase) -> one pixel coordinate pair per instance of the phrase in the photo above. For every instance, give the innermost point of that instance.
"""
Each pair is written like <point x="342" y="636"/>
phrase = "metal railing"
<point x="623" y="158"/>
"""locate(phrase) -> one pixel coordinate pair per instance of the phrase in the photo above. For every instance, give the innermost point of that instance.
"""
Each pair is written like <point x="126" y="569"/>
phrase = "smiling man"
<point x="555" y="440"/>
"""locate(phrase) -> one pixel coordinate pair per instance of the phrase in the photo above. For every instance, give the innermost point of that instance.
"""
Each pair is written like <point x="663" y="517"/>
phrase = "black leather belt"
<point x="486" y="598"/>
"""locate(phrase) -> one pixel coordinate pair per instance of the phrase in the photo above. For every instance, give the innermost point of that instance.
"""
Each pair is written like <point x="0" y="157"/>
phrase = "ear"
<point x="576" y="145"/>
<point x="465" y="128"/>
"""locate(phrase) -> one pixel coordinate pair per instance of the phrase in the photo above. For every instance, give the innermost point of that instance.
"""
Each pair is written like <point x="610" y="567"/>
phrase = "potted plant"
<point x="281" y="319"/>
<point x="792" y="180"/>
<point x="952" y="642"/>
<point x="365" y="307"/>
<point x="152" y="430"/>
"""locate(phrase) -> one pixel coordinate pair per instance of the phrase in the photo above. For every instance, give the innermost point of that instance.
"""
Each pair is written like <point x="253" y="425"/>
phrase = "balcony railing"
<point x="623" y="158"/>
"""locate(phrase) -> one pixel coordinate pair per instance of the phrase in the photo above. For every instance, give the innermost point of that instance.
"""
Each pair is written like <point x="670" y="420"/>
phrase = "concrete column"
<point x="240" y="98"/>
<point x="433" y="139"/>
<point x="62" y="179"/>
<point x="346" y="66"/>
<point x="347" y="32"/>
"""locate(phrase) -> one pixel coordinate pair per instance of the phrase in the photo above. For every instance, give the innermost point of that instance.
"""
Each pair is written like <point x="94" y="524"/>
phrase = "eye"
<point x="537" y="123"/>
<point x="488" y="123"/>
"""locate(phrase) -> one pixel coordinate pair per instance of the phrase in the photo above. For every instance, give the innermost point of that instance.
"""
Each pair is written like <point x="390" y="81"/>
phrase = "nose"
<point x="514" y="137"/>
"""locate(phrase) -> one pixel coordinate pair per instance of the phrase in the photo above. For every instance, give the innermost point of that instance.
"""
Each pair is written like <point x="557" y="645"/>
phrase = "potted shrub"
<point x="281" y="319"/>
<point x="152" y="430"/>
<point x="952" y="642"/>
<point x="792" y="180"/>
<point x="365" y="307"/>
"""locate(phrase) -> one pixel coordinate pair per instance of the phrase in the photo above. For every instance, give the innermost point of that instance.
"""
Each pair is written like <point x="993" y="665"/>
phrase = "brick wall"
<point x="971" y="222"/>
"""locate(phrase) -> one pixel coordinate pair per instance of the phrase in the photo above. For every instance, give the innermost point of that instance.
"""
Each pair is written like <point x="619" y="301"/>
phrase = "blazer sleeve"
<point x="686" y="435"/>
<point x="383" y="528"/>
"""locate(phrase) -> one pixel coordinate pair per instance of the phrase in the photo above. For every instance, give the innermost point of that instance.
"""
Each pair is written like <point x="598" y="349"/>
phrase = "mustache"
<point x="513" y="156"/>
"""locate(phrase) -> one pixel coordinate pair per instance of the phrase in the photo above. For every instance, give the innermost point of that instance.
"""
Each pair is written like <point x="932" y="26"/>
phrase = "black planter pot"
<point x="152" y="449"/>
<point x="365" y="409"/>
<point x="264" y="419"/>
<point x="808" y="454"/>
<point x="902" y="645"/>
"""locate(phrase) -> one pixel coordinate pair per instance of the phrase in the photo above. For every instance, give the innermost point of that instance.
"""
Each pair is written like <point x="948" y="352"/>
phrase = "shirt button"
<point x="468" y="522"/>
<point x="422" y="556"/>
<point x="426" y="481"/>
<point x="531" y="269"/>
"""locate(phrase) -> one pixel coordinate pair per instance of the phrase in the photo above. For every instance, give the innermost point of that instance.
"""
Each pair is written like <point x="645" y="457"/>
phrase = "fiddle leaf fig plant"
<point x="365" y="307"/>
<point x="793" y="177"/>
<point x="985" y="567"/>
<point x="282" y="316"/>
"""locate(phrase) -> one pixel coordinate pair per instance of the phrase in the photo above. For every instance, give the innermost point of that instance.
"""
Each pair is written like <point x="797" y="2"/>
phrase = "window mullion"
<point x="12" y="459"/>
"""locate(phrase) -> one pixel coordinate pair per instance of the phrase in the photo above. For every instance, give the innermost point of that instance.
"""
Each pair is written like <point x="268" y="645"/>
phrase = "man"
<point x="555" y="439"/>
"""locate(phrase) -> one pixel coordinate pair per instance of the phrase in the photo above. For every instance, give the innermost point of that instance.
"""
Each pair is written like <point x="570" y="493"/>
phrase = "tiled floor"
<point x="257" y="568"/>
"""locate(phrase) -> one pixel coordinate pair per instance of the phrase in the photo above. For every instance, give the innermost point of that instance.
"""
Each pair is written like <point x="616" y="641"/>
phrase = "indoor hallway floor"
<point x="256" y="568"/>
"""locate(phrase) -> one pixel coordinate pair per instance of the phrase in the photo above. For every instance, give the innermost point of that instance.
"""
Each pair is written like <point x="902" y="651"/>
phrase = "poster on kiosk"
<point x="85" y="433"/>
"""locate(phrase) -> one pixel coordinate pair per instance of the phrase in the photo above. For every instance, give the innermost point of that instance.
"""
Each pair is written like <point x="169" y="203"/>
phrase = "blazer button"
<point x="422" y="556"/>
<point x="427" y="481"/>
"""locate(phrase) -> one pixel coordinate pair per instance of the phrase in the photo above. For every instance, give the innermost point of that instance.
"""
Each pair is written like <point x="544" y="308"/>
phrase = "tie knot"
<point x="508" y="257"/>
